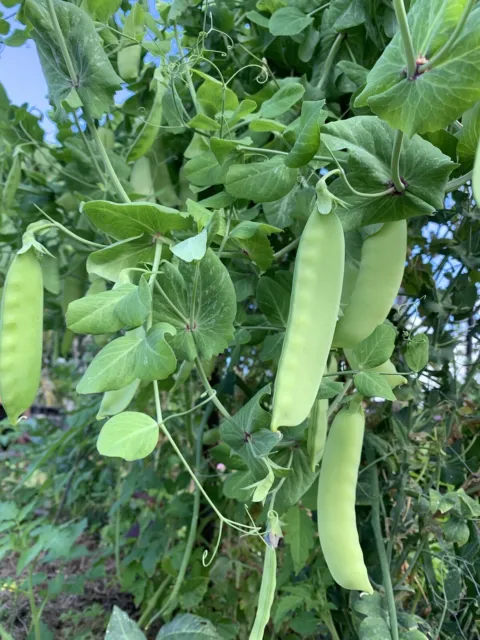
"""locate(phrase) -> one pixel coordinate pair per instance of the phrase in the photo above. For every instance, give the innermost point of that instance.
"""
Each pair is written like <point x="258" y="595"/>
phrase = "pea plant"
<point x="243" y="276"/>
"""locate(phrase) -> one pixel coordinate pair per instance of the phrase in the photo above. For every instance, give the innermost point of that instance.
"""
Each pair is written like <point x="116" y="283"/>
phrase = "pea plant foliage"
<point x="257" y="238"/>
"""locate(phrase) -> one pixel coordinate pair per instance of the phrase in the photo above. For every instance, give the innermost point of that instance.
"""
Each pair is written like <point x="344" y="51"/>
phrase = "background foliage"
<point x="233" y="111"/>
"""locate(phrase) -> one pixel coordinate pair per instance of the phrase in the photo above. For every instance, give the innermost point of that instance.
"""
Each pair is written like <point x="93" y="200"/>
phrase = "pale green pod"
<point x="337" y="527"/>
<point x="317" y="432"/>
<point x="394" y="379"/>
<point x="149" y="129"/>
<point x="269" y="579"/>
<point x="141" y="179"/>
<point x="379" y="279"/>
<point x="317" y="287"/>
<point x="21" y="334"/>
<point x="128" y="61"/>
<point x="12" y="182"/>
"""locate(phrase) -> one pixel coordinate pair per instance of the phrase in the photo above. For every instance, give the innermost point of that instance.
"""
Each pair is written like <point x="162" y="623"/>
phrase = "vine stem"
<point x="291" y="245"/>
<point x="277" y="152"/>
<point x="402" y="20"/>
<point x="396" y="153"/>
<point x="172" y="598"/>
<point x="382" y="554"/>
<point x="451" y="40"/>
<point x="210" y="391"/>
<point x="340" y="396"/>
<point x="88" y="118"/>
<point x="153" y="276"/>
<point x="53" y="223"/>
<point x="452" y="185"/>
<point x="330" y="59"/>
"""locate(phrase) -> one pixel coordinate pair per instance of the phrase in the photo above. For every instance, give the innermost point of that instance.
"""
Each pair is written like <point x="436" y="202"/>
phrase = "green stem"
<point x="211" y="392"/>
<point x="88" y="148"/>
<point x="54" y="223"/>
<point x="340" y="396"/>
<point x="382" y="555"/>
<point x="396" y="152"/>
<point x="277" y="152"/>
<point x="153" y="277"/>
<point x="402" y="20"/>
<point x="196" y="277"/>
<point x="169" y="605"/>
<point x="451" y="40"/>
<point x="33" y="606"/>
<point x="281" y="252"/>
<point x="118" y="569"/>
<point x="453" y="185"/>
<point x="327" y="68"/>
<point x="152" y="602"/>
<point x="73" y="77"/>
<point x="106" y="160"/>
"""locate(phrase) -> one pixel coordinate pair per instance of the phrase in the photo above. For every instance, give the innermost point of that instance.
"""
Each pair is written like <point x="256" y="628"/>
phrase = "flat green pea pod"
<point x="393" y="378"/>
<point x="141" y="179"/>
<point x="317" y="287"/>
<point x="317" y="425"/>
<point x="317" y="432"/>
<point x="337" y="526"/>
<point x="21" y="333"/>
<point x="128" y="61"/>
<point x="379" y="279"/>
<point x="12" y="182"/>
<point x="269" y="579"/>
<point x="148" y="130"/>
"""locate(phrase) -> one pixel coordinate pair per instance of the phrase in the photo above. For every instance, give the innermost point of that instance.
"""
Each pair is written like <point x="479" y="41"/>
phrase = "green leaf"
<point x="416" y="355"/>
<point x="377" y="348"/>
<point x="112" y="368"/>
<point x="469" y="135"/>
<point x="120" y="626"/>
<point x="248" y="434"/>
<point x="96" y="79"/>
<point x="114" y="402"/>
<point x="260" y="181"/>
<point x="372" y="385"/>
<point x="126" y="221"/>
<point x="248" y="228"/>
<point x="298" y="481"/>
<point x="299" y="535"/>
<point x="188" y="627"/>
<point x="264" y="125"/>
<point x="272" y="347"/>
<point x="416" y="105"/>
<point x="329" y="389"/>
<point x="155" y="359"/>
<point x="369" y="142"/>
<point x="286" y="605"/>
<point x="288" y="21"/>
<point x="206" y="288"/>
<point x="134" y="308"/>
<point x="259" y="250"/>
<point x="214" y="96"/>
<point x="102" y="10"/>
<point x="204" y="171"/>
<point x="257" y="18"/>
<point x="193" y="248"/>
<point x="201" y="121"/>
<point x="374" y="629"/>
<point x="234" y="487"/>
<point x="281" y="212"/>
<point x="273" y="301"/>
<point x="126" y="254"/>
<point x="308" y="136"/>
<point x="129" y="435"/>
<point x="95" y="314"/>
<point x="456" y="530"/>
<point x="283" y="100"/>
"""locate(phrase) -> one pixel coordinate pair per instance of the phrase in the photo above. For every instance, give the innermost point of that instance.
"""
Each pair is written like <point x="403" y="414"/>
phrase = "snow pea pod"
<point x="21" y="333"/>
<point x="337" y="527"/>
<point x="377" y="284"/>
<point x="317" y="287"/>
